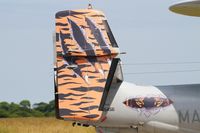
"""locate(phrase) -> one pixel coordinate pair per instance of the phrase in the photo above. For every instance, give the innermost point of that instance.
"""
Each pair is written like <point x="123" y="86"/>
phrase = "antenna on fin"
<point x="89" y="6"/>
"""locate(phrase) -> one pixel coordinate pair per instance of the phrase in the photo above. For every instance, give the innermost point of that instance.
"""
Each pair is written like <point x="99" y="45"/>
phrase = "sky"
<point x="146" y="30"/>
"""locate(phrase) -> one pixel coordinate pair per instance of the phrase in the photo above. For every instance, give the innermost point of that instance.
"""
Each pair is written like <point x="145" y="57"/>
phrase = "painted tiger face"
<point x="149" y="105"/>
<point x="148" y="102"/>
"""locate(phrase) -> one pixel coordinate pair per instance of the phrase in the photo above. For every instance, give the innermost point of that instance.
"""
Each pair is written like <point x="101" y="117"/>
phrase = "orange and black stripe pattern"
<point x="85" y="48"/>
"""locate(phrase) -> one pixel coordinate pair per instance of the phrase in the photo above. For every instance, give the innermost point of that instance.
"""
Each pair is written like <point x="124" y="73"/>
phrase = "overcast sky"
<point x="146" y="30"/>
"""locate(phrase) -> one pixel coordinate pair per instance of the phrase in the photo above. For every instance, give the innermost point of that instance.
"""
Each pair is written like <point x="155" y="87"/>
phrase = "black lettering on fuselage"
<point x="195" y="117"/>
<point x="189" y="116"/>
<point x="183" y="117"/>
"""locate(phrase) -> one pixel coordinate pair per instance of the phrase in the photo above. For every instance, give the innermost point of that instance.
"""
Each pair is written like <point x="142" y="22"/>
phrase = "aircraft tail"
<point x="85" y="52"/>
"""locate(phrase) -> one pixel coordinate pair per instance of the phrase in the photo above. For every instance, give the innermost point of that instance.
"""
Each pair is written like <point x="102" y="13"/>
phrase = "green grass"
<point x="40" y="125"/>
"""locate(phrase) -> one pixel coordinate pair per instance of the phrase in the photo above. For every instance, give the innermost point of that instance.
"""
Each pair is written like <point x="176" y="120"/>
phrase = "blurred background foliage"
<point x="24" y="109"/>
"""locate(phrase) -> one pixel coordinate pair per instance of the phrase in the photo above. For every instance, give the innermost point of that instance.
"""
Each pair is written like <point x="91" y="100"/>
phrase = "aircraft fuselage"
<point x="167" y="108"/>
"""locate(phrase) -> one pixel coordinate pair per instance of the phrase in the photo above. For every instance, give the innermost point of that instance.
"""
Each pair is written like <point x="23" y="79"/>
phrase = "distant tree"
<point x="48" y="109"/>
<point x="23" y="113"/>
<point x="36" y="113"/>
<point x="25" y="104"/>
<point x="4" y="106"/>
<point x="4" y="109"/>
<point x="51" y="106"/>
<point x="42" y="107"/>
<point x="23" y="109"/>
<point x="13" y="109"/>
<point x="4" y="114"/>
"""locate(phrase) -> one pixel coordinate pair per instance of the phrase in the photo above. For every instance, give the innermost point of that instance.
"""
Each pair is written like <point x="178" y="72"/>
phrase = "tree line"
<point x="24" y="109"/>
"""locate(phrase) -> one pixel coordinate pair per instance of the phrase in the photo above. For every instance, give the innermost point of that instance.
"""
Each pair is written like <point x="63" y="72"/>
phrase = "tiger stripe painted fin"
<point x="84" y="52"/>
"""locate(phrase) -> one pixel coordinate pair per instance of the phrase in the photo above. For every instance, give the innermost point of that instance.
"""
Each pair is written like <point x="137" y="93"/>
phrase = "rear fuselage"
<point x="173" y="107"/>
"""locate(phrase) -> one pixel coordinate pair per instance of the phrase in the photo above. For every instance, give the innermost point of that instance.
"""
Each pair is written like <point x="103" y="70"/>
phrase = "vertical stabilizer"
<point x="85" y="48"/>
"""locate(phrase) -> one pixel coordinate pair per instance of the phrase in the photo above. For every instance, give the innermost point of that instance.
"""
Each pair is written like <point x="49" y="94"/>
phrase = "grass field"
<point x="40" y="125"/>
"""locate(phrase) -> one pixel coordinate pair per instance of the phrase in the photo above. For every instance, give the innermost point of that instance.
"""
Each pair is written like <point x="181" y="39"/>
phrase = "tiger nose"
<point x="149" y="102"/>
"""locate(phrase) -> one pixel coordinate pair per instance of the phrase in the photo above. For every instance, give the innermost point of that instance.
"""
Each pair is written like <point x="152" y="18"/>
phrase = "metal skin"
<point x="181" y="116"/>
